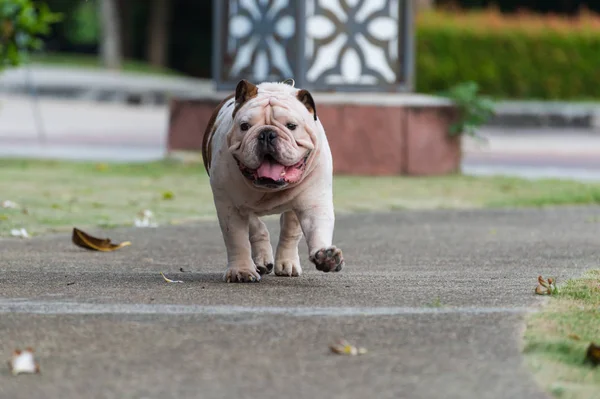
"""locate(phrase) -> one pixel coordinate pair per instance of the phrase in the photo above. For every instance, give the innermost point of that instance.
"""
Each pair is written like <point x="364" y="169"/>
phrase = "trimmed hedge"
<point x="523" y="56"/>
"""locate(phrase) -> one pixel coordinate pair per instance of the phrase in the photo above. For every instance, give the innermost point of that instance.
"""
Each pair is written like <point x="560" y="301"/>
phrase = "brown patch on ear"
<point x="209" y="132"/>
<point x="306" y="98"/>
<point x="244" y="92"/>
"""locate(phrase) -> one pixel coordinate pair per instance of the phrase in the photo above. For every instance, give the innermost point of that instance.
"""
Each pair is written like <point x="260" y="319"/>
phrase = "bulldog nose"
<point x="267" y="136"/>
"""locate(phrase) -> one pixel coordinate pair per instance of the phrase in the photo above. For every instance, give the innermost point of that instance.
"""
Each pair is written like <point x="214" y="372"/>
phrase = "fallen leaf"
<point x="168" y="195"/>
<point x="546" y="286"/>
<point x="19" y="233"/>
<point x="6" y="204"/>
<point x="23" y="362"/>
<point x="593" y="354"/>
<point x="342" y="347"/>
<point x="541" y="290"/>
<point x="168" y="280"/>
<point x="145" y="219"/>
<point x="574" y="337"/>
<point x="86" y="241"/>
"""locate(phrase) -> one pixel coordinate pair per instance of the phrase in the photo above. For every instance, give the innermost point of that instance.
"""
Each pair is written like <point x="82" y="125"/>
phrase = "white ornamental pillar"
<point x="324" y="45"/>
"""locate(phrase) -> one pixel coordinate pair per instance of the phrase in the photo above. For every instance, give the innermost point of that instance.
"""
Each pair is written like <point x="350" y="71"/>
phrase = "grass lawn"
<point x="93" y="61"/>
<point x="556" y="339"/>
<point x="60" y="195"/>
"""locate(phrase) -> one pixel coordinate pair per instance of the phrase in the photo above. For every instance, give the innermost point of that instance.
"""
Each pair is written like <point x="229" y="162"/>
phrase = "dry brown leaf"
<point x="593" y="354"/>
<point x="86" y="241"/>
<point x="168" y="280"/>
<point x="546" y="286"/>
<point x="540" y="290"/>
<point x="343" y="347"/>
<point x="23" y="362"/>
<point x="22" y="233"/>
<point x="574" y="337"/>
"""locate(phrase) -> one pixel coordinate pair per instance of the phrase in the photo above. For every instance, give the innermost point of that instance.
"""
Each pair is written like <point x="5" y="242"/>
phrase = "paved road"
<point x="79" y="130"/>
<point x="105" y="325"/>
<point x="122" y="87"/>
<point x="535" y="153"/>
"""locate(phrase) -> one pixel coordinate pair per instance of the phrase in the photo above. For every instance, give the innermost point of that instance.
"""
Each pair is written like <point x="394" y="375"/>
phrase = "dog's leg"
<point x="287" y="260"/>
<point x="260" y="241"/>
<point x="235" y="229"/>
<point x="317" y="224"/>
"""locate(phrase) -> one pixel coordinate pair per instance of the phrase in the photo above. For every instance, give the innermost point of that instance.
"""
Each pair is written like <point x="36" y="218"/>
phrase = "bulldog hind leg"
<point x="287" y="260"/>
<point x="260" y="241"/>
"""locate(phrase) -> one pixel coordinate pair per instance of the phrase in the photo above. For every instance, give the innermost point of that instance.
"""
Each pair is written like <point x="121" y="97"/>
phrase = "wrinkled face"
<point x="272" y="139"/>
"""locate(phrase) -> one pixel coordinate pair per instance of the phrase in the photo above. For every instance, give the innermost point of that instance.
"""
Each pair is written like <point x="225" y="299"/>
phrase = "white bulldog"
<point x="266" y="152"/>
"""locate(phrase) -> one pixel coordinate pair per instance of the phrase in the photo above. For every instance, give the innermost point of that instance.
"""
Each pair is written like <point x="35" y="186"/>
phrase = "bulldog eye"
<point x="291" y="126"/>
<point x="245" y="126"/>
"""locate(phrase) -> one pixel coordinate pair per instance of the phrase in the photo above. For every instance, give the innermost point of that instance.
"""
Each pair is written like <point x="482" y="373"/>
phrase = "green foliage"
<point x="84" y="26"/>
<point x="474" y="109"/>
<point x="22" y="23"/>
<point x="519" y="58"/>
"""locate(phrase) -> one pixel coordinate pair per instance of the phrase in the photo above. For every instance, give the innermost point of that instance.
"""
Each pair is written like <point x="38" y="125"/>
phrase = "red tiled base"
<point x="365" y="139"/>
<point x="187" y="121"/>
<point x="430" y="150"/>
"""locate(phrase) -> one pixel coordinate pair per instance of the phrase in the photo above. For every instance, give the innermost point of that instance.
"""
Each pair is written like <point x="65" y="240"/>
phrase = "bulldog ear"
<point x="306" y="98"/>
<point x="243" y="92"/>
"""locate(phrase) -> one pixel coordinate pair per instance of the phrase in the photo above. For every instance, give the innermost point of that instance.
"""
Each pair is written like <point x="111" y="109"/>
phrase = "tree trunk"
<point x="110" y="45"/>
<point x="157" y="38"/>
<point x="127" y="33"/>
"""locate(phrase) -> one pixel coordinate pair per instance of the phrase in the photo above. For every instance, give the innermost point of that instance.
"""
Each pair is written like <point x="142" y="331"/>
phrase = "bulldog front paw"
<point x="264" y="261"/>
<point x="265" y="268"/>
<point x="328" y="259"/>
<point x="241" y="274"/>
<point x="288" y="267"/>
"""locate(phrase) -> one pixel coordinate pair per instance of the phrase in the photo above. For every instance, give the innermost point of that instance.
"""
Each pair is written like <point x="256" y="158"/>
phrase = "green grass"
<point x="557" y="338"/>
<point x="93" y="61"/>
<point x="60" y="195"/>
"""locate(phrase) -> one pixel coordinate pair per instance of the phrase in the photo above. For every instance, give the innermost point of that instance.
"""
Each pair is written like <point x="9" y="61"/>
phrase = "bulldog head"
<point x="274" y="134"/>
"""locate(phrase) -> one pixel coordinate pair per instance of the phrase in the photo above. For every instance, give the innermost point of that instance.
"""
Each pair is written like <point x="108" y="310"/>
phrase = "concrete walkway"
<point x="80" y="83"/>
<point x="99" y="85"/>
<point x="535" y="153"/>
<point x="83" y="130"/>
<point x="438" y="299"/>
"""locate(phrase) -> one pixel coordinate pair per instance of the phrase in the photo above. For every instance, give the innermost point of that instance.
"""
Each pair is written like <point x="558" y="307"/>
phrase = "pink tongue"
<point x="270" y="170"/>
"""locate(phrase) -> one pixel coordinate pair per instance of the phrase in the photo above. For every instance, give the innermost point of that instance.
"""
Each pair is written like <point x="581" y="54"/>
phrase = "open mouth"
<point x="272" y="174"/>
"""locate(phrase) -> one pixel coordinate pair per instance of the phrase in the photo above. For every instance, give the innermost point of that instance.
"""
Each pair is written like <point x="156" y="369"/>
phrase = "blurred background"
<point x="99" y="86"/>
<point x="175" y="36"/>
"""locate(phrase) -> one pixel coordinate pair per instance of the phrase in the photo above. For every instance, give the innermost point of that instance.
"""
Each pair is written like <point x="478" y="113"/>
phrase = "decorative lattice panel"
<point x="327" y="45"/>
